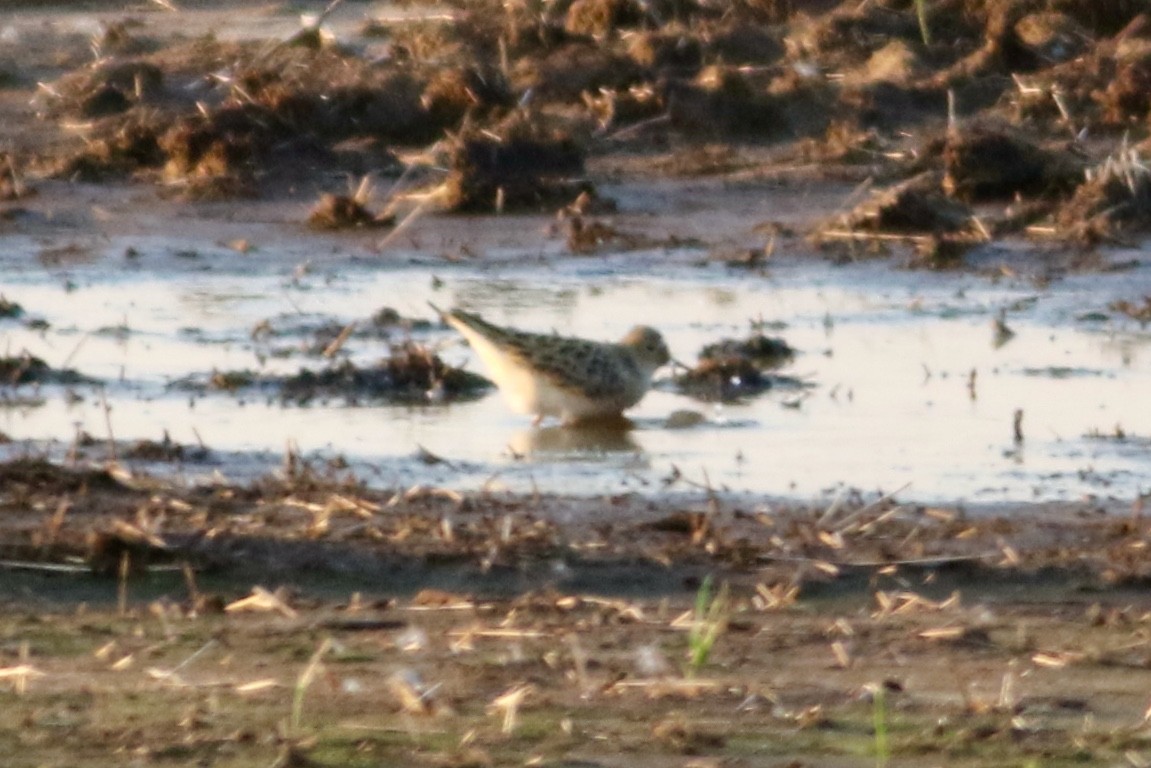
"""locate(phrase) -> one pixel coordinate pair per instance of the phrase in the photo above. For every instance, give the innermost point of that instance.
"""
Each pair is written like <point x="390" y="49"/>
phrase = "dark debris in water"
<point x="764" y="351"/>
<point x="1135" y="310"/>
<point x="733" y="369"/>
<point x="164" y="450"/>
<point x="28" y="369"/>
<point x="411" y="374"/>
<point x="10" y="310"/>
<point x="292" y="334"/>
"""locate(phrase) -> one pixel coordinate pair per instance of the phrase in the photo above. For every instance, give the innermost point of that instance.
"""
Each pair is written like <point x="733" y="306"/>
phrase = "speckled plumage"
<point x="573" y="379"/>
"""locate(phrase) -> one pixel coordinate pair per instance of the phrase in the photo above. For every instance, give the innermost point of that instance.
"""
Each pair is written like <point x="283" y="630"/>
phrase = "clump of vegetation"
<point x="412" y="373"/>
<point x="29" y="369"/>
<point x="731" y="369"/>
<point x="10" y="309"/>
<point x="526" y="166"/>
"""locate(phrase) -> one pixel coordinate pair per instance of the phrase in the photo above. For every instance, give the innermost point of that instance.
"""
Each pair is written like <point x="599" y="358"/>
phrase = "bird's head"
<point x="648" y="346"/>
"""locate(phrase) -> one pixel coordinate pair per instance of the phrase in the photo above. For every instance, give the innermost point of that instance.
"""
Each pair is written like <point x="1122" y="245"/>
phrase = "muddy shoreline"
<point x="983" y="639"/>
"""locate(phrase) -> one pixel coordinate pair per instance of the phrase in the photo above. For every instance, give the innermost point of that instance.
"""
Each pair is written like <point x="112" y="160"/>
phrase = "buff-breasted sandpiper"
<point x="562" y="376"/>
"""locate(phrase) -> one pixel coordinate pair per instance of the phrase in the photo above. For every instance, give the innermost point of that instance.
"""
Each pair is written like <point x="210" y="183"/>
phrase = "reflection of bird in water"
<point x="573" y="379"/>
<point x="593" y="437"/>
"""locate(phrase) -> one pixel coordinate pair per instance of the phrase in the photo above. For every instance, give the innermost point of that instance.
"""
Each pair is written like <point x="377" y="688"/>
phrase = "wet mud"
<point x="866" y="630"/>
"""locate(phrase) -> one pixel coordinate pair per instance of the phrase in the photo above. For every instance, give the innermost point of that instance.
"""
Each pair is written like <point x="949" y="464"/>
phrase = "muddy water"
<point x="888" y="355"/>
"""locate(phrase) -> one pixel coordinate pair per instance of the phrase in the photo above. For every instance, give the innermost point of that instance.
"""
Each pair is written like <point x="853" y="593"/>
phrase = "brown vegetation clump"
<point x="1135" y="311"/>
<point x="1019" y="83"/>
<point x="1127" y="97"/>
<point x="764" y="351"/>
<point x="412" y="373"/>
<point x="728" y="101"/>
<point x="12" y="187"/>
<point x="1115" y="198"/>
<point x="527" y="167"/>
<point x="345" y="212"/>
<point x="917" y="205"/>
<point x="986" y="162"/>
<point x="29" y="369"/>
<point x="566" y="72"/>
<point x="453" y="94"/>
<point x="674" y="53"/>
<point x="732" y="369"/>
<point x="599" y="18"/>
<point x="125" y="149"/>
<point x="281" y="111"/>
<point x="1052" y="36"/>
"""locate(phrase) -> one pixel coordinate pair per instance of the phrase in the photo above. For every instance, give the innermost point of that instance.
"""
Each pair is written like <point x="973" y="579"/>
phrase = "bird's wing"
<point x="595" y="370"/>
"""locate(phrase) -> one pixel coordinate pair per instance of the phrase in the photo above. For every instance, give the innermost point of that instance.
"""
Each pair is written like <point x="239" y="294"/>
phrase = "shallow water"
<point x="889" y="355"/>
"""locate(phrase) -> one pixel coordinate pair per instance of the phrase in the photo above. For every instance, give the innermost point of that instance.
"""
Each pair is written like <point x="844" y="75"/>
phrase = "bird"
<point x="576" y="380"/>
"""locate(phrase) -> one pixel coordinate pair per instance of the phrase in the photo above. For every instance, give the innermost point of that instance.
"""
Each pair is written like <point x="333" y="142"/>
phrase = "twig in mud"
<point x="579" y="658"/>
<point x="108" y="422"/>
<point x="1007" y="697"/>
<point x="414" y="696"/>
<point x="952" y="118"/>
<point x="915" y="562"/>
<point x="54" y="524"/>
<point x="262" y="600"/>
<point x="307" y="677"/>
<point x="847" y="521"/>
<point x="18" y="188"/>
<point x="634" y="128"/>
<point x="872" y="524"/>
<point x="338" y="342"/>
<point x="509" y="703"/>
<point x="75" y="350"/>
<point x="21" y="673"/>
<point x="887" y="237"/>
<point x="190" y="583"/>
<point x="291" y="460"/>
<point x="498" y="633"/>
<point x="28" y="565"/>
<point x="434" y="196"/>
<point x="424" y="456"/>
<point x="983" y="230"/>
<point x="122" y="588"/>
<point x="1064" y="111"/>
<point x="853" y="198"/>
<point x="775" y="597"/>
<point x="832" y="508"/>
<point x="195" y="655"/>
<point x="73" y="455"/>
<point x="423" y="492"/>
<point x="689" y="686"/>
